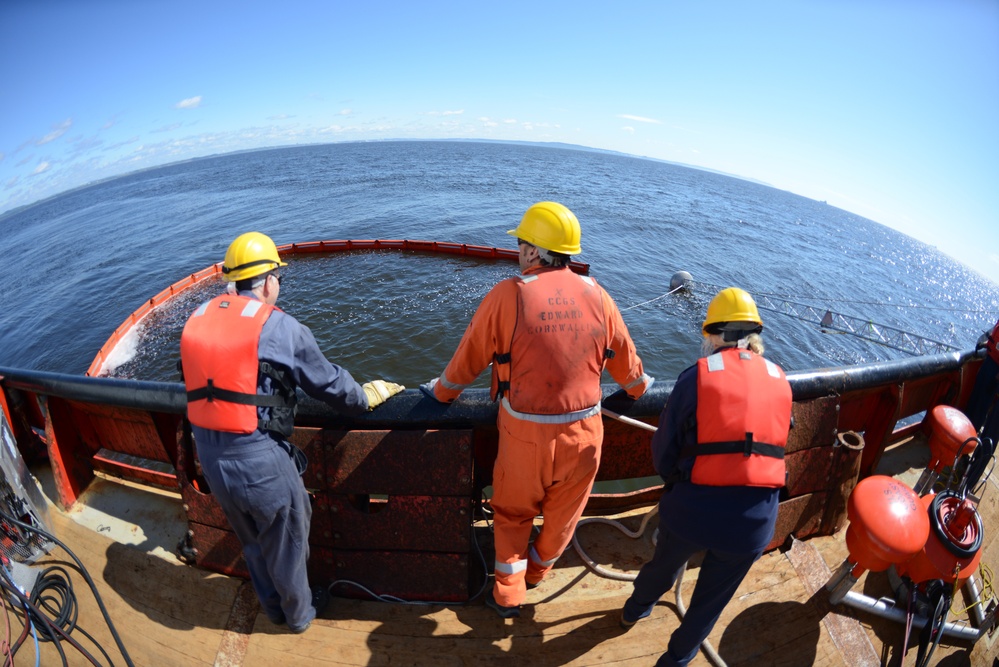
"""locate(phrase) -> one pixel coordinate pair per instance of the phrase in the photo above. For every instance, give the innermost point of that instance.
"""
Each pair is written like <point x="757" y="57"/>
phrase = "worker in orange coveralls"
<point x="548" y="333"/>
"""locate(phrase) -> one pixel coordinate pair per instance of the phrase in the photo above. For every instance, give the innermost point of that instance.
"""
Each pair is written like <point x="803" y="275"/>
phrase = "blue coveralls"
<point x="733" y="524"/>
<point x="256" y="481"/>
<point x="982" y="410"/>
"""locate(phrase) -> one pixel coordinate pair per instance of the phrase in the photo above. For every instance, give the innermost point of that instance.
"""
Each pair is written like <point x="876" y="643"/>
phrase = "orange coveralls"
<point x="546" y="463"/>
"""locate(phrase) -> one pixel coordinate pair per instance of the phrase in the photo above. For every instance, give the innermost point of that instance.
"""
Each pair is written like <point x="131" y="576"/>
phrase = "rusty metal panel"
<point x="414" y="523"/>
<point x="626" y="452"/>
<point x="199" y="503"/>
<point x="925" y="393"/>
<point x="857" y="409"/>
<point x="801" y="517"/>
<point x="429" y="462"/>
<point x="217" y="550"/>
<point x="121" y="430"/>
<point x="202" y="507"/>
<point x="71" y="466"/>
<point x="135" y="468"/>
<point x="815" y="423"/>
<point x="808" y="471"/>
<point x="427" y="577"/>
<point x="310" y="441"/>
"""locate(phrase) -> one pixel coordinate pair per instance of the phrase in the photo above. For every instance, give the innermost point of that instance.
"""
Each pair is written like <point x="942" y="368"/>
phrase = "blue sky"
<point x="886" y="108"/>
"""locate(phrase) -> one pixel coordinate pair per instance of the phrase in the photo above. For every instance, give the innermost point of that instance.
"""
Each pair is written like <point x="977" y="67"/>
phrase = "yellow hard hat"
<point x="732" y="305"/>
<point x="550" y="226"/>
<point x="251" y="254"/>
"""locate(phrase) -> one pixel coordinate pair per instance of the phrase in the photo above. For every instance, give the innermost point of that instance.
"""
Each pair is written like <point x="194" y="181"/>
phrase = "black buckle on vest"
<point x="210" y="391"/>
<point x="749" y="445"/>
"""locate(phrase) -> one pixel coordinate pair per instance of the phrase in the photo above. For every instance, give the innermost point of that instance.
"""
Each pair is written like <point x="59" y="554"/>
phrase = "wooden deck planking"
<point x="171" y="614"/>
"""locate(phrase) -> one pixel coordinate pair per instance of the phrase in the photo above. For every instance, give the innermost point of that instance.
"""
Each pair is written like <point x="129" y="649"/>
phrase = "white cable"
<point x="661" y="296"/>
<point x="596" y="567"/>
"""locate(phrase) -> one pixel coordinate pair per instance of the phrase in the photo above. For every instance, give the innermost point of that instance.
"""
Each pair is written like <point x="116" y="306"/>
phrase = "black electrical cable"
<point x="86" y="575"/>
<point x="54" y="593"/>
<point x="35" y="614"/>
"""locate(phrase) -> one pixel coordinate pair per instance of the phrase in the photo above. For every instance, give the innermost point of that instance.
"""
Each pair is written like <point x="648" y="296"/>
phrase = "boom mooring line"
<point x="867" y="329"/>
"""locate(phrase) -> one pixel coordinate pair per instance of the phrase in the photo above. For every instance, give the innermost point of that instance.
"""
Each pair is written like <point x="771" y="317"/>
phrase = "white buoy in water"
<point x="680" y="279"/>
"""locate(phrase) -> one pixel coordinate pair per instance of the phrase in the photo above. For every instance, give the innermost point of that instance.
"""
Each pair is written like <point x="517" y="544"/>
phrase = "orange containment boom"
<point x="292" y="249"/>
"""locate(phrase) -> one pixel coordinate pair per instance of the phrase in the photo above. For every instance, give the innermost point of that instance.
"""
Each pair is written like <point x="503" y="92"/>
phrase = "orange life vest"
<point x="558" y="347"/>
<point x="218" y="352"/>
<point x="743" y="418"/>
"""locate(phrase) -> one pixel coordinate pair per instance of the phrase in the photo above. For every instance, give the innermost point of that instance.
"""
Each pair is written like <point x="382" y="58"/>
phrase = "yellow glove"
<point x="379" y="391"/>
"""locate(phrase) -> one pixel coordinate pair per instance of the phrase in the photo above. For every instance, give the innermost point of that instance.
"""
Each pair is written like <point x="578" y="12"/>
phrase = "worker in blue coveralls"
<point x="983" y="410"/>
<point x="242" y="359"/>
<point x="720" y="450"/>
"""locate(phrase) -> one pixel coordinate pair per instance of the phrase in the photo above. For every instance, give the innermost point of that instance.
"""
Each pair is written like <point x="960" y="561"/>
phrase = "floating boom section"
<point x="309" y="247"/>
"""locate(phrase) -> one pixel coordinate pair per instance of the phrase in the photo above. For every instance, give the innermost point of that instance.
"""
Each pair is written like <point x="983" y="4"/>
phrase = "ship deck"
<point x="170" y="613"/>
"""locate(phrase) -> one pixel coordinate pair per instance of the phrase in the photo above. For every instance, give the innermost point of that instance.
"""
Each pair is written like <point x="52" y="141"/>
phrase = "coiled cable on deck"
<point x="47" y="626"/>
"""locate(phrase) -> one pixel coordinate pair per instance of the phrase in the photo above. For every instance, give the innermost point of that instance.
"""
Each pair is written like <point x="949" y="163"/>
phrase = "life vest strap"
<point x="745" y="447"/>
<point x="211" y="393"/>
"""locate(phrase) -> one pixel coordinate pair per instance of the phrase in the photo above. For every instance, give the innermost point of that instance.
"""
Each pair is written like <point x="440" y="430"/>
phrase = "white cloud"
<point x="167" y="128"/>
<point x="629" y="129"/>
<point x="189" y="103"/>
<point x="346" y="112"/>
<point x="446" y="113"/>
<point x="639" y="119"/>
<point x="57" y="131"/>
<point x="42" y="167"/>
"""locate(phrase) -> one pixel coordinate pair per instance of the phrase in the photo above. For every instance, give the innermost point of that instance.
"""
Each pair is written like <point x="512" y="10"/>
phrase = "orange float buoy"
<point x="953" y="547"/>
<point x="948" y="430"/>
<point x="888" y="524"/>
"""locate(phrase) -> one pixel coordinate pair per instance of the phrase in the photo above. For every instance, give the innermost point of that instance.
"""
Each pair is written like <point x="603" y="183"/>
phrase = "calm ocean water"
<point x="78" y="264"/>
